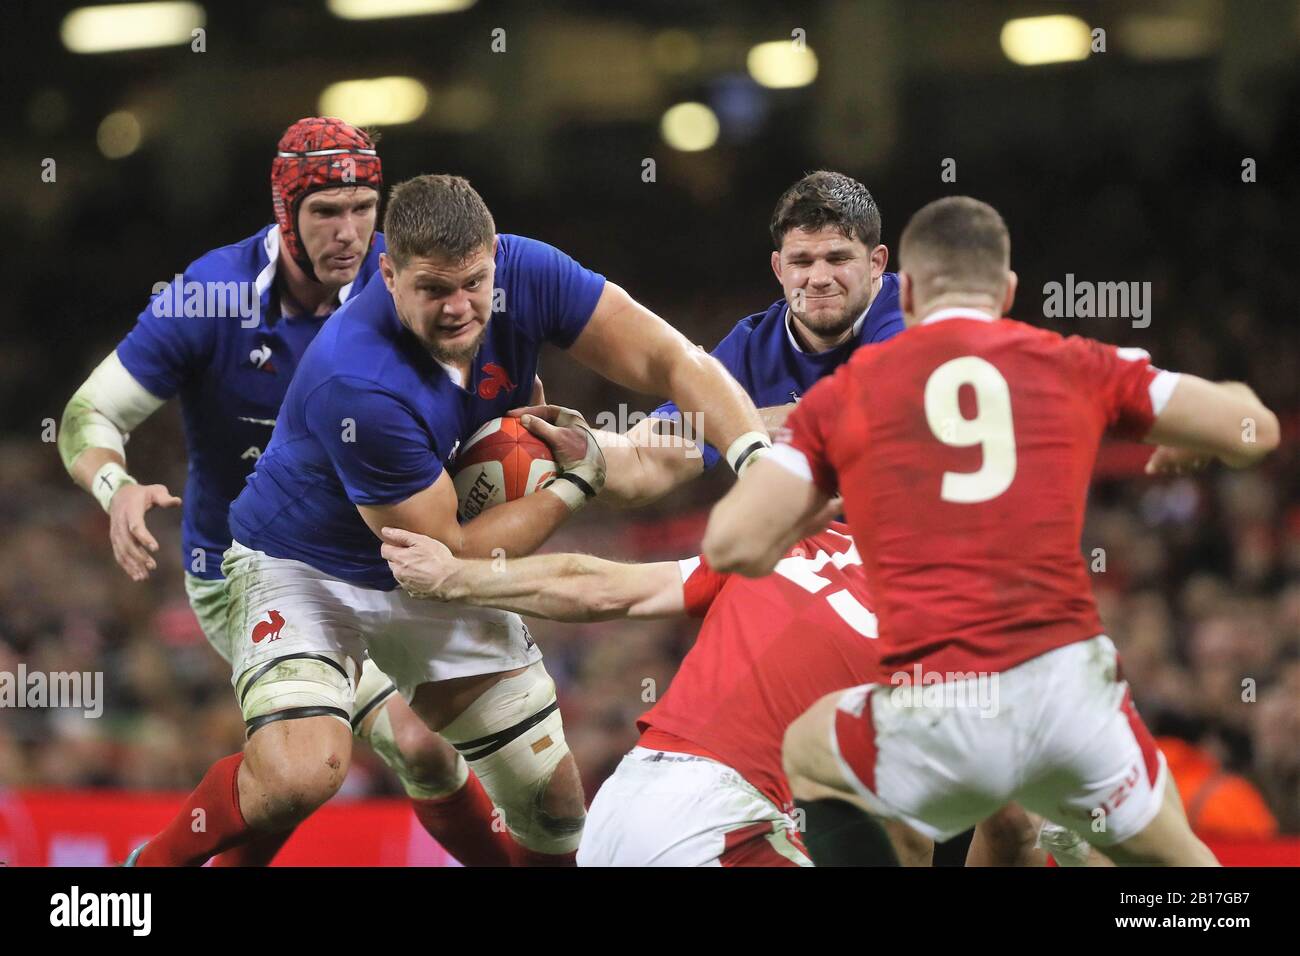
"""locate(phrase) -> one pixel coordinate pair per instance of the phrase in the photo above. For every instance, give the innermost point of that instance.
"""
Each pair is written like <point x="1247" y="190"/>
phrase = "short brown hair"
<point x="822" y="199"/>
<point x="956" y="244"/>
<point x="436" y="216"/>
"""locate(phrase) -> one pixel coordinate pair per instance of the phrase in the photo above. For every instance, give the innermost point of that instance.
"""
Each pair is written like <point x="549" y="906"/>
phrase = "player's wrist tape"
<point x="572" y="489"/>
<point x="110" y="477"/>
<point x="746" y="450"/>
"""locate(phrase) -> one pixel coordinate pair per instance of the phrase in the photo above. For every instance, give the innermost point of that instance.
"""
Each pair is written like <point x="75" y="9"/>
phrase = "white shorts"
<point x="669" y="809"/>
<point x="210" y="606"/>
<point x="280" y="607"/>
<point x="1062" y="739"/>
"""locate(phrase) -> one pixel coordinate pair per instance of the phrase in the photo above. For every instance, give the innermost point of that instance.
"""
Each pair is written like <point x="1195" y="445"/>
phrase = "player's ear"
<point x="1012" y="280"/>
<point x="905" y="302"/>
<point x="776" y="266"/>
<point x="388" y="270"/>
<point x="879" y="259"/>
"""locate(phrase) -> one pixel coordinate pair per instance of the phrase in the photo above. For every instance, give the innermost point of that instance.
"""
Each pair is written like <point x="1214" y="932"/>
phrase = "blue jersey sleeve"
<point x="563" y="293"/>
<point x="381" y="452"/>
<point x="167" y="346"/>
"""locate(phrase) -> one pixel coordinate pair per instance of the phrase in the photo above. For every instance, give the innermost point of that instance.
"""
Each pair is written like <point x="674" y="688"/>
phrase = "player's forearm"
<point x="98" y="417"/>
<point x="1260" y="430"/>
<point x="89" y="462"/>
<point x="560" y="587"/>
<point x="1221" y="419"/>
<point x="643" y="465"/>
<point x="711" y="401"/>
<point x="512" y="529"/>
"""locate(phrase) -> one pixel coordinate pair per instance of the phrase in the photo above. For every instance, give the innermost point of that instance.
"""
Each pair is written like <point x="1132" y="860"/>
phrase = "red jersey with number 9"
<point x="768" y="649"/>
<point x="963" y="449"/>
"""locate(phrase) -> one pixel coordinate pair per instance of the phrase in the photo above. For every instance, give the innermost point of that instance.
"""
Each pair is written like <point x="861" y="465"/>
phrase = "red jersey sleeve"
<point x="1130" y="390"/>
<point x="809" y="427"/>
<point x="700" y="585"/>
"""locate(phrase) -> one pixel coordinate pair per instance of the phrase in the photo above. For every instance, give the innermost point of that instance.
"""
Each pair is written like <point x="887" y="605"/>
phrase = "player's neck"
<point x="973" y="303"/>
<point x="304" y="295"/>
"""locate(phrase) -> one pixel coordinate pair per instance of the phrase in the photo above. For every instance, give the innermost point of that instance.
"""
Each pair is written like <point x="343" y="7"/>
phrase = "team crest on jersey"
<point x="495" y="381"/>
<point x="260" y="358"/>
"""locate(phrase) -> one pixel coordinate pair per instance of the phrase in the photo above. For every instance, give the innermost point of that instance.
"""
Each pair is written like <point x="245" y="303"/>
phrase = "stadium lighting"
<point x="689" y="127"/>
<point x="1034" y="41"/>
<point x="130" y="26"/>
<point x="118" y="135"/>
<point x="782" y="64"/>
<point x="381" y="9"/>
<point x="383" y="101"/>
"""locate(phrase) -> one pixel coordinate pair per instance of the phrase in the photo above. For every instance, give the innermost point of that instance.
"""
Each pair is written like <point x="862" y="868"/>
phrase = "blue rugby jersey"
<point x="230" y="362"/>
<point x="761" y="354"/>
<point x="371" y="418"/>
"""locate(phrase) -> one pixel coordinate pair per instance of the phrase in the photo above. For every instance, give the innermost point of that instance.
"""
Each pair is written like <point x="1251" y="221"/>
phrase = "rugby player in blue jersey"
<point x="405" y="371"/>
<point x="830" y="263"/>
<point x="226" y="336"/>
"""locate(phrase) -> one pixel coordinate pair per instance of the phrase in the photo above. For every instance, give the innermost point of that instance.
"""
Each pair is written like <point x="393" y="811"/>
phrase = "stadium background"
<point x="1122" y="165"/>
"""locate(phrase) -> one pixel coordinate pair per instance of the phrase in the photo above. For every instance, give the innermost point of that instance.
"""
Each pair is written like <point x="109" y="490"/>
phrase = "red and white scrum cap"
<point x="315" y="153"/>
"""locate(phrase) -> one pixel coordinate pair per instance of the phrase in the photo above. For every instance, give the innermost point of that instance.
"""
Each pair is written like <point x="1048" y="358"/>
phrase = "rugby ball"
<point x="500" y="462"/>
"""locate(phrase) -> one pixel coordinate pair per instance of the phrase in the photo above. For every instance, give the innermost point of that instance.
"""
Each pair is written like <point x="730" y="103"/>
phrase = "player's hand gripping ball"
<point x="500" y="462"/>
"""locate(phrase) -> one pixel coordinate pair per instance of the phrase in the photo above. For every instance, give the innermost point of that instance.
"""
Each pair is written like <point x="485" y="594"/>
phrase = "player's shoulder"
<point x="359" y="342"/>
<point x="521" y="254"/>
<point x="755" y="331"/>
<point x="244" y="260"/>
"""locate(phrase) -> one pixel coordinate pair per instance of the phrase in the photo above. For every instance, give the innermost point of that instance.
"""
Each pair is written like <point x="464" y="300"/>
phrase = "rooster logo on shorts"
<point x="268" y="629"/>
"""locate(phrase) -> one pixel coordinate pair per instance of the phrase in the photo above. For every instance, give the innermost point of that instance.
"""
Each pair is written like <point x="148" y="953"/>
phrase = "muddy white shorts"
<point x="279" y="608"/>
<point x="661" y="808"/>
<point x="1058" y="734"/>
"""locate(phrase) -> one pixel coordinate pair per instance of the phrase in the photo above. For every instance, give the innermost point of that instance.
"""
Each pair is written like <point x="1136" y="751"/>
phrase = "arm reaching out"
<point x="631" y="346"/>
<point x="562" y="587"/>
<point x="1204" y="420"/>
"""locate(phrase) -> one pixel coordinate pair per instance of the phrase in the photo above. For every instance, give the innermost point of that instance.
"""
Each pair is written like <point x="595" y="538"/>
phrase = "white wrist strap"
<point x="746" y="450"/>
<point x="567" y="491"/>
<point x="110" y="477"/>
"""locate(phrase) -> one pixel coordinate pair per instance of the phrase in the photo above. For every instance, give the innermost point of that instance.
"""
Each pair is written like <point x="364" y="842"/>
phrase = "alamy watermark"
<point x="976" y="690"/>
<point x="221" y="300"/>
<point x="74" y="690"/>
<point x="668" y="435"/>
<point x="1098" y="300"/>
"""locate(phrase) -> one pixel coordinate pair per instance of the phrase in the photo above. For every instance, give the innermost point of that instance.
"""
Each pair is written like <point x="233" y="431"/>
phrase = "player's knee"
<point x="296" y="766"/>
<point x="513" y="737"/>
<point x="563" y="804"/>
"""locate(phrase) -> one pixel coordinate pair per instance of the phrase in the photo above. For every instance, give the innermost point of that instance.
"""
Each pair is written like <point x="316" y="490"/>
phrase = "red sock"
<point x="461" y="822"/>
<point x="217" y="795"/>
<point x="520" y="855"/>
<point x="259" y="851"/>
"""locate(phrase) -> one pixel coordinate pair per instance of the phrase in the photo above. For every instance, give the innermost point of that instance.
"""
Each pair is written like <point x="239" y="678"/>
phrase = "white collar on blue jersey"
<point x="977" y="314"/>
<point x="271" y="246"/>
<point x="857" y="329"/>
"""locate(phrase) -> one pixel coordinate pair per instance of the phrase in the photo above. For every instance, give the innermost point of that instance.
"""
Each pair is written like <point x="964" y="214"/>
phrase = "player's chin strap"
<point x="581" y="480"/>
<point x="746" y="450"/>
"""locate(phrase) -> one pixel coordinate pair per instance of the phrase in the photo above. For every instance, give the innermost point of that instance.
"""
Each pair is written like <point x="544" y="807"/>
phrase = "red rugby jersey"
<point x="963" y="449"/>
<point x="767" y="650"/>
